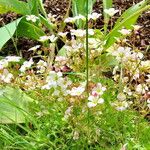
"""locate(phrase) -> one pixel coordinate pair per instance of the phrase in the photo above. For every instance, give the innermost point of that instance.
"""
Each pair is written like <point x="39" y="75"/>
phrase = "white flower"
<point x="78" y="32"/>
<point x="94" y="100"/>
<point x="111" y="11"/>
<point x="6" y="76"/>
<point x="122" y="53"/>
<point x="121" y="96"/>
<point x="141" y="88"/>
<point x="34" y="48"/>
<point x="76" y="135"/>
<point x="41" y="66"/>
<point x="98" y="90"/>
<point x="32" y="18"/>
<point x="136" y="27"/>
<point x="53" y="38"/>
<point x="94" y="16"/>
<point x="122" y="106"/>
<point x="90" y="31"/>
<point x="76" y="91"/>
<point x="3" y="64"/>
<point x="62" y="34"/>
<point x="44" y="38"/>
<point x="13" y="58"/>
<point x="127" y="90"/>
<point x="51" y="17"/>
<point x="70" y="20"/>
<point x="68" y="112"/>
<point x="26" y="65"/>
<point x="125" y="31"/>
<point x="80" y="17"/>
<point x="41" y="63"/>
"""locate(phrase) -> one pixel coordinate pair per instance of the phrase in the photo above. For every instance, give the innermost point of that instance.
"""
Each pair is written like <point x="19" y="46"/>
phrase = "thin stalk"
<point x="87" y="50"/>
<point x="87" y="65"/>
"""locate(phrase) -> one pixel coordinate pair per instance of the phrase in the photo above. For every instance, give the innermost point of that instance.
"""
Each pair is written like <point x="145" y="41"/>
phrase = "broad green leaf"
<point x="126" y="22"/>
<point x="130" y="11"/>
<point x="29" y="30"/>
<point x="15" y="6"/>
<point x="107" y="61"/>
<point x="33" y="5"/>
<point x="13" y="105"/>
<point x="8" y="31"/>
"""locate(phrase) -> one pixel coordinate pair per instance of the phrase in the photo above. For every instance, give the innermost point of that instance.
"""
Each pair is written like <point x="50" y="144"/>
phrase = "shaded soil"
<point x="59" y="8"/>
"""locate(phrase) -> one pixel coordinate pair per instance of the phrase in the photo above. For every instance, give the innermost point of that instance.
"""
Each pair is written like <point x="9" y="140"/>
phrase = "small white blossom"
<point x="76" y="135"/>
<point x="136" y="27"/>
<point x="111" y="11"/>
<point x="127" y="91"/>
<point x="34" y="48"/>
<point x="78" y="32"/>
<point x="125" y="31"/>
<point x="141" y="88"/>
<point x="62" y="34"/>
<point x="120" y="105"/>
<point x="26" y="65"/>
<point x="94" y="16"/>
<point x="70" y="20"/>
<point x="80" y="17"/>
<point x="32" y="18"/>
<point x="3" y="64"/>
<point x="6" y="76"/>
<point x="53" y="38"/>
<point x="51" y="17"/>
<point x="76" y="91"/>
<point x="94" y="100"/>
<point x="13" y="58"/>
<point x="44" y="38"/>
<point x="121" y="96"/>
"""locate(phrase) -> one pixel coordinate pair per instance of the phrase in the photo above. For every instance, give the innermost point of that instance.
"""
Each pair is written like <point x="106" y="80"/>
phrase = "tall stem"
<point x="87" y="50"/>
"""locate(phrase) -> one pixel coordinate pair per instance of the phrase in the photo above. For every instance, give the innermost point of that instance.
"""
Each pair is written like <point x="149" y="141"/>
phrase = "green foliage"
<point x="33" y="5"/>
<point x="128" y="18"/>
<point x="8" y="31"/>
<point x="13" y="105"/>
<point x="32" y="31"/>
<point x="15" y="6"/>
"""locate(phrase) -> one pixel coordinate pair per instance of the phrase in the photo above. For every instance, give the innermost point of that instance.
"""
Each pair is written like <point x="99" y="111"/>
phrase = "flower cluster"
<point x="96" y="96"/>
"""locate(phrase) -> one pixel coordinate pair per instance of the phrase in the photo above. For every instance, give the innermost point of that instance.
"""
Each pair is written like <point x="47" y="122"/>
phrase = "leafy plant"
<point x="13" y="107"/>
<point x="31" y="7"/>
<point x="126" y="20"/>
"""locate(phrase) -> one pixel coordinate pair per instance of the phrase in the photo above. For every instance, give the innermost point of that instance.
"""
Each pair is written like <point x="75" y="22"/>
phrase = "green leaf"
<point x="13" y="105"/>
<point x="29" y="30"/>
<point x="41" y="7"/>
<point x="62" y="52"/>
<point x="15" y="6"/>
<point x="47" y="23"/>
<point x="33" y="5"/>
<point x="8" y="31"/>
<point x="128" y="19"/>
